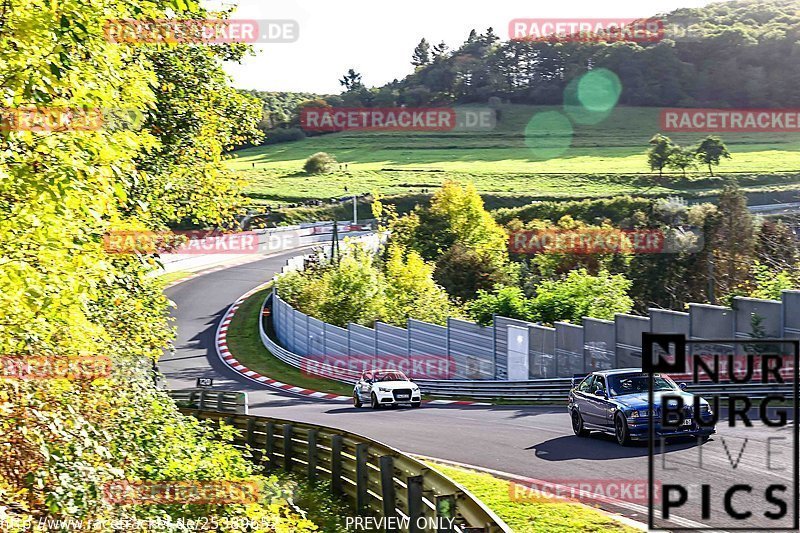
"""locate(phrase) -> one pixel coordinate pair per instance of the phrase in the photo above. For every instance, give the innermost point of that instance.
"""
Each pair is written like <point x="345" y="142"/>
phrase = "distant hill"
<point x="730" y="54"/>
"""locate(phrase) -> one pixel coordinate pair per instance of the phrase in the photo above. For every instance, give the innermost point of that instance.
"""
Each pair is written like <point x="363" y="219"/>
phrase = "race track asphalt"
<point x="531" y="441"/>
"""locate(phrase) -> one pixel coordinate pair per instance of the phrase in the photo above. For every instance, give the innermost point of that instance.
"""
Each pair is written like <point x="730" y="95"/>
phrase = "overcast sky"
<point x="377" y="38"/>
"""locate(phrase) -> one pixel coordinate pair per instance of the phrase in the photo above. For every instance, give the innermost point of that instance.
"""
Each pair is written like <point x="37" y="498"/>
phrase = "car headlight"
<point x="384" y="389"/>
<point x="644" y="413"/>
<point x="414" y="389"/>
<point x="634" y="414"/>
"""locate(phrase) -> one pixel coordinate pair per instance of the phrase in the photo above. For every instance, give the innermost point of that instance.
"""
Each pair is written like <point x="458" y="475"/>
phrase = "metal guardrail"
<point x="558" y="389"/>
<point x="375" y="478"/>
<point x="223" y="401"/>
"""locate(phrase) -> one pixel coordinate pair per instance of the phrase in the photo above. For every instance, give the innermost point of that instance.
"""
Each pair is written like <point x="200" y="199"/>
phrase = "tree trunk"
<point x="710" y="172"/>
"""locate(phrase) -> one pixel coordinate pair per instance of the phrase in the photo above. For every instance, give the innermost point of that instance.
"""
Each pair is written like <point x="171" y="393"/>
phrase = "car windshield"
<point x="622" y="384"/>
<point x="390" y="376"/>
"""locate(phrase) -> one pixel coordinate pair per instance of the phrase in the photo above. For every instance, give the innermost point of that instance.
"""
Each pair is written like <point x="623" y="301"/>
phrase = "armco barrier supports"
<point x="665" y="321"/>
<point x="445" y="513"/>
<point x="754" y="318"/>
<point x="312" y="455"/>
<point x="599" y="344"/>
<point x="542" y="349"/>
<point x="270" y="447"/>
<point x="415" y="510"/>
<point x="628" y="335"/>
<point x="389" y="502"/>
<point x="287" y="447"/>
<point x="337" y="441"/>
<point x="569" y="349"/>
<point x="362" y="478"/>
<point x="790" y="310"/>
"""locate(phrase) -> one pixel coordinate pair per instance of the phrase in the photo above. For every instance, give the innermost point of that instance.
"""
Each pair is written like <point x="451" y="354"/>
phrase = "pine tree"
<point x="422" y="55"/>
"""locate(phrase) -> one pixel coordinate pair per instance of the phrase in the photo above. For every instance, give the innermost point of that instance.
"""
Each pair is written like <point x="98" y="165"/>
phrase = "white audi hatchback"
<point x="385" y="387"/>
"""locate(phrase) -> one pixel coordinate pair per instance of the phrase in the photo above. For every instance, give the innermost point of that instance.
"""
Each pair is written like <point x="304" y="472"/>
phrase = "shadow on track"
<point x="600" y="447"/>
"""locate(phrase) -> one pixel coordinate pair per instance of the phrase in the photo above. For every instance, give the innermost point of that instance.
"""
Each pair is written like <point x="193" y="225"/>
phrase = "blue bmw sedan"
<point x="616" y="402"/>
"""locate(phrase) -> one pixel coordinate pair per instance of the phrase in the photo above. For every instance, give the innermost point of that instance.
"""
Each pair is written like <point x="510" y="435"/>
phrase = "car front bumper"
<point x="393" y="398"/>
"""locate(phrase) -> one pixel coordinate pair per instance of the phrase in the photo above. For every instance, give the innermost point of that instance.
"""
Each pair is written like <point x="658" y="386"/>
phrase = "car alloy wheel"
<point x="577" y="424"/>
<point x="356" y="400"/>
<point x="375" y="403"/>
<point x="621" y="431"/>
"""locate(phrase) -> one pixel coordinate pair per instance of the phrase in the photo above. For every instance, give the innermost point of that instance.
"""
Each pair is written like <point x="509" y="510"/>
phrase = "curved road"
<point x="530" y="441"/>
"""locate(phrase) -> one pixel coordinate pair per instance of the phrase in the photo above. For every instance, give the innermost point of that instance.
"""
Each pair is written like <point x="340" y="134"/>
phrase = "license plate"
<point x="687" y="422"/>
<point x="403" y="396"/>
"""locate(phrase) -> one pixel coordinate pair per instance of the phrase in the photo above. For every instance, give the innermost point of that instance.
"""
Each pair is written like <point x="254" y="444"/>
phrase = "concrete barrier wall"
<point x="470" y="351"/>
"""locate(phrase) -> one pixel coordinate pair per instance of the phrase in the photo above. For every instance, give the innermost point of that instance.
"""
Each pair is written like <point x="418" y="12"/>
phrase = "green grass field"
<point x="504" y="161"/>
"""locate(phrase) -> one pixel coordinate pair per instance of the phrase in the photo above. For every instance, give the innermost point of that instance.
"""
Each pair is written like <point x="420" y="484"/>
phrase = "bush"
<point x="319" y="163"/>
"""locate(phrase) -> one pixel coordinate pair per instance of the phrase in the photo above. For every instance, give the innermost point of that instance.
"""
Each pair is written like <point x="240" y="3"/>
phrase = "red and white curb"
<point x="227" y="357"/>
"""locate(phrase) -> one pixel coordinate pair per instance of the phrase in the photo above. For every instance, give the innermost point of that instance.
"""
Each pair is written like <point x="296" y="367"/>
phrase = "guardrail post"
<point x="191" y="398"/>
<point x="287" y="447"/>
<point x="446" y="513"/>
<point x="202" y="399"/>
<point x="362" y="478"/>
<point x="270" y="444"/>
<point x="219" y="401"/>
<point x="336" y="464"/>
<point x="387" y="490"/>
<point x="414" y="503"/>
<point x="251" y="440"/>
<point x="312" y="455"/>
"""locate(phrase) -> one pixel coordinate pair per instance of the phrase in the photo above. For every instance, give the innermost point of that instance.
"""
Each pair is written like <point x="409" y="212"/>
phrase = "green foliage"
<point x="508" y="302"/>
<point x="64" y="295"/>
<point x="319" y="163"/>
<point x="464" y="271"/>
<point x="361" y="289"/>
<point x="456" y="232"/>
<point x="660" y="153"/>
<point x="710" y="151"/>
<point x="681" y="159"/>
<point x="576" y="295"/>
<point x="580" y="294"/>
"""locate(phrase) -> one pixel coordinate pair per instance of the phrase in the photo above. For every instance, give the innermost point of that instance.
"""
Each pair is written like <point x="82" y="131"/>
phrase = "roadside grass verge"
<point x="170" y="277"/>
<point x="530" y="517"/>
<point x="245" y="344"/>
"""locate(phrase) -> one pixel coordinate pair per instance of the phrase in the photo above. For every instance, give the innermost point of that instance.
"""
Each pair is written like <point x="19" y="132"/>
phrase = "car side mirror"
<point x="682" y="386"/>
<point x="600" y="392"/>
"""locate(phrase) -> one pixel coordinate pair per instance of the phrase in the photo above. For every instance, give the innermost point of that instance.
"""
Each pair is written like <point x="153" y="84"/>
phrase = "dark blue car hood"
<point x="639" y="400"/>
